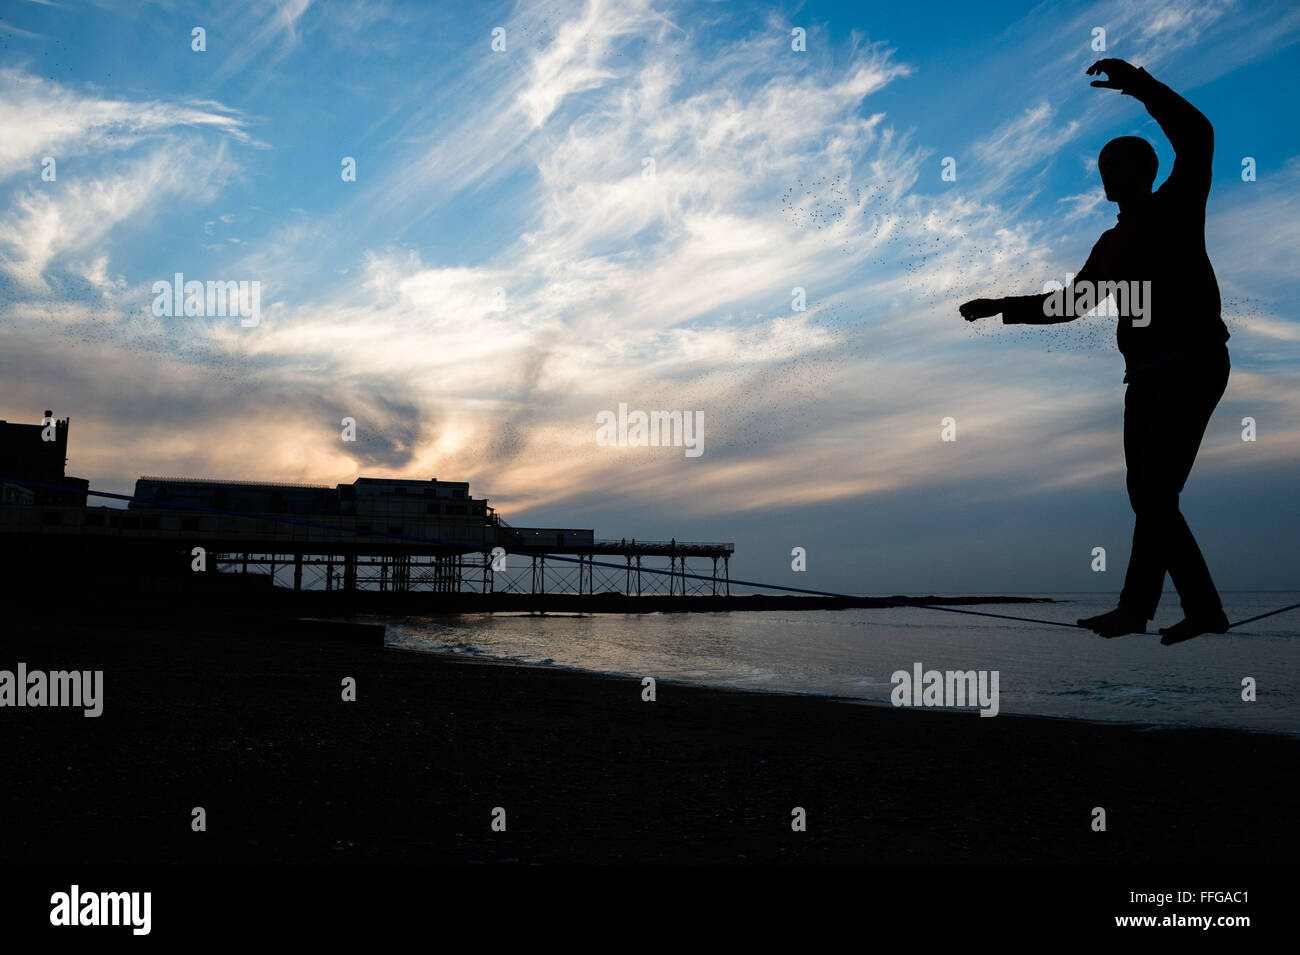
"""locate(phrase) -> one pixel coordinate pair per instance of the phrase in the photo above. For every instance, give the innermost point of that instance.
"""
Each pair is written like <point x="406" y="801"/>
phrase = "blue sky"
<point x="523" y="170"/>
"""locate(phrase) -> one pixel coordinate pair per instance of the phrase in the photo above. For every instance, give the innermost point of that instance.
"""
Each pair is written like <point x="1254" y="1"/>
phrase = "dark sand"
<point x="248" y="723"/>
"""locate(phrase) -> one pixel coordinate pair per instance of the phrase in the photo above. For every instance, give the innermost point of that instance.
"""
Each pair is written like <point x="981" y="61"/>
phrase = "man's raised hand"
<point x="980" y="308"/>
<point x="1119" y="74"/>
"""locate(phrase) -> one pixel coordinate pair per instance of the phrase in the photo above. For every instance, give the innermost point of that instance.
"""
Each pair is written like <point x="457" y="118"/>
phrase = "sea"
<point x="1043" y="670"/>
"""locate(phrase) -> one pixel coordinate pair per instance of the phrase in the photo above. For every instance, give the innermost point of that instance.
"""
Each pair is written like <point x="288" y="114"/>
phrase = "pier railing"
<point x="663" y="547"/>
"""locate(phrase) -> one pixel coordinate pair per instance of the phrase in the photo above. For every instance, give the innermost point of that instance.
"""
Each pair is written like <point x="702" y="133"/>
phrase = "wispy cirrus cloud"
<point x="40" y="227"/>
<point x="41" y="117"/>
<point x="129" y="156"/>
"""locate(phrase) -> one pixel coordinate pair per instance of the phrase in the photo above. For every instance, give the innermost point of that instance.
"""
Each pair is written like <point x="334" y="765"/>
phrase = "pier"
<point x="374" y="536"/>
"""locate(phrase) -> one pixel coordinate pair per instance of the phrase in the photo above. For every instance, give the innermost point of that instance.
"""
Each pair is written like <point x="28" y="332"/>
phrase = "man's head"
<point x="1128" y="168"/>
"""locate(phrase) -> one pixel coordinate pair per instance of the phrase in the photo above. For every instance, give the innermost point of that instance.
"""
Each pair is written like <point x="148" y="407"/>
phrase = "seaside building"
<point x="385" y="500"/>
<point x="38" y="453"/>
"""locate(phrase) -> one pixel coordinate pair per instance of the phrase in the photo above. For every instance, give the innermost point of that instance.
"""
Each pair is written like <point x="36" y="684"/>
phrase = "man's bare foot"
<point x="1115" y="623"/>
<point x="1194" y="626"/>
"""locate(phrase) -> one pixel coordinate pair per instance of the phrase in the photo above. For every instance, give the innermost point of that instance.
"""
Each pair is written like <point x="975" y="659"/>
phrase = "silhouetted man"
<point x="1173" y="341"/>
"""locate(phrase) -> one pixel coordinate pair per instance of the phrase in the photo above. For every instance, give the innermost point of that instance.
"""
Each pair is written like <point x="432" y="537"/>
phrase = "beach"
<point x="245" y="718"/>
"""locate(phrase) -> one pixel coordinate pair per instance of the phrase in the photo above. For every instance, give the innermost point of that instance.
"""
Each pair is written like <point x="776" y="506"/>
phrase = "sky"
<point x="617" y="208"/>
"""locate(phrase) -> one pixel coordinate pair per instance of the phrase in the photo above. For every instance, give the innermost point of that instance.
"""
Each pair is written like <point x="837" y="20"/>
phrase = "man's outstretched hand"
<point x="980" y="308"/>
<point x="1119" y="74"/>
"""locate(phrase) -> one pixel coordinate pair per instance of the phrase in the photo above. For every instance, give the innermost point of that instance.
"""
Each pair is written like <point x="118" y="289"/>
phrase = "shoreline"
<point x="489" y="660"/>
<point x="245" y="719"/>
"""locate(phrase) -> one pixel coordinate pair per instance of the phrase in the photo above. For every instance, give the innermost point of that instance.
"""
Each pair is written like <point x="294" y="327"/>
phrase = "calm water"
<point x="1047" y="671"/>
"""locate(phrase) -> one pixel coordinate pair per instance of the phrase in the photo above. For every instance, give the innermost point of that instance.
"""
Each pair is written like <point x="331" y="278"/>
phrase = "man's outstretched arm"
<point x="1015" y="310"/>
<point x="1188" y="131"/>
<point x="1032" y="309"/>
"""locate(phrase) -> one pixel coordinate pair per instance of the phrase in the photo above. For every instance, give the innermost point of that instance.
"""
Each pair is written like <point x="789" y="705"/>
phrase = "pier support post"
<point x="297" y="572"/>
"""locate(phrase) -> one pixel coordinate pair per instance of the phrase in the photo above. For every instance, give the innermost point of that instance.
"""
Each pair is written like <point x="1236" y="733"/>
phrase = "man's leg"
<point x="1189" y="572"/>
<point x="1145" y="451"/>
<point x="1146" y="567"/>
<point x="1202" y="385"/>
<point x="1143" y="417"/>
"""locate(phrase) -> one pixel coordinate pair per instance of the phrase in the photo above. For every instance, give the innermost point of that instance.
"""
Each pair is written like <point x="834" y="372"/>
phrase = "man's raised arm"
<point x="1188" y="131"/>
